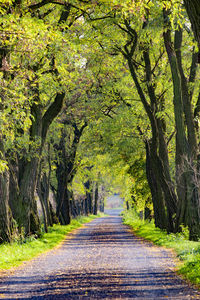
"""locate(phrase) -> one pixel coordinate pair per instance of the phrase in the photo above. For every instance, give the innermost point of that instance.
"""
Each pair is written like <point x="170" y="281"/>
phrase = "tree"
<point x="96" y="74"/>
<point x="35" y="46"/>
<point x="139" y="45"/>
<point x="5" y="214"/>
<point x="193" y="10"/>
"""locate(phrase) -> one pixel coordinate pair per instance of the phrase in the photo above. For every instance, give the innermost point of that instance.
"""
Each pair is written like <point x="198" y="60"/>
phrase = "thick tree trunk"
<point x="5" y="215"/>
<point x="65" y="214"/>
<point x="189" y="209"/>
<point x="27" y="199"/>
<point x="62" y="197"/>
<point x="169" y="190"/>
<point x="65" y="172"/>
<point x="186" y="150"/>
<point x="23" y="180"/>
<point x="29" y="172"/>
<point x="193" y="10"/>
<point x="43" y="210"/>
<point x="158" y="146"/>
<point x="177" y="99"/>
<point x="73" y="205"/>
<point x="86" y="206"/>
<point x="160" y="165"/>
<point x="53" y="214"/>
<point x="181" y="140"/>
<point x="186" y="97"/>
<point x="43" y="193"/>
<point x="156" y="192"/>
<point x="194" y="206"/>
<point x="46" y="188"/>
<point x="43" y="187"/>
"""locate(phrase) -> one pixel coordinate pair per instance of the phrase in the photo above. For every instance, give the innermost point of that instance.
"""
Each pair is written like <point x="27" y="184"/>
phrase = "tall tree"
<point x="193" y="10"/>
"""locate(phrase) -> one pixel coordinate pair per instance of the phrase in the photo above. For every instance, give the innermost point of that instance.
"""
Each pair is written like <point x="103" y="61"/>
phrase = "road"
<point x="102" y="260"/>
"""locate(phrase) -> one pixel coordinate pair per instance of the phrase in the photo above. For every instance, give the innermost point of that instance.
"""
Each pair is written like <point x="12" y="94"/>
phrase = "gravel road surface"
<point x="102" y="260"/>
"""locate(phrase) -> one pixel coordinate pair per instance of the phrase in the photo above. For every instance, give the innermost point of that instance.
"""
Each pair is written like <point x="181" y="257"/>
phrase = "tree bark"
<point x="101" y="197"/>
<point x="24" y="202"/>
<point x="159" y="154"/>
<point x="96" y="197"/>
<point x="160" y="216"/>
<point x="87" y="185"/>
<point x="65" y="172"/>
<point x="186" y="99"/>
<point x="193" y="11"/>
<point x="5" y="214"/>
<point x="159" y="147"/>
<point x="62" y="197"/>
<point x="186" y="149"/>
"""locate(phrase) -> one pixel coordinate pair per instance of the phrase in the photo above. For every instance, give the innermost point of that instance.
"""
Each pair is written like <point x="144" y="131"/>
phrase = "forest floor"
<point x="101" y="260"/>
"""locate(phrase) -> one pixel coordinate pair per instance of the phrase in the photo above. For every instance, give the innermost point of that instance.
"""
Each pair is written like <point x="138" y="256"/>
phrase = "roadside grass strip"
<point x="14" y="254"/>
<point x="187" y="251"/>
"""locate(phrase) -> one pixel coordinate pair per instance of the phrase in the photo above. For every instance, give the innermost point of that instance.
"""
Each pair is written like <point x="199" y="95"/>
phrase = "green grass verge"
<point x="187" y="251"/>
<point x="12" y="255"/>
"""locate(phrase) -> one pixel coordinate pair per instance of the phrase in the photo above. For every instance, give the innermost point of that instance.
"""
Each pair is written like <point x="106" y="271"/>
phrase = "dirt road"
<point x="102" y="260"/>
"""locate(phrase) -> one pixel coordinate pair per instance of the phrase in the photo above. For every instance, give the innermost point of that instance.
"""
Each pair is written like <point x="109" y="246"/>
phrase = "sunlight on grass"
<point x="187" y="251"/>
<point x="12" y="255"/>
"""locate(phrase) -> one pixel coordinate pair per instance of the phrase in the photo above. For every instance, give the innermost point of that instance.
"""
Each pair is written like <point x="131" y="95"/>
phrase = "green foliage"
<point x="140" y="188"/>
<point x="84" y="57"/>
<point x="187" y="251"/>
<point x="3" y="166"/>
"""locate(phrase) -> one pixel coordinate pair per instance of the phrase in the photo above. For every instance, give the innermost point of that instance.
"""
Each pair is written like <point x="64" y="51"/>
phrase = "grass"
<point x="14" y="254"/>
<point x="187" y="251"/>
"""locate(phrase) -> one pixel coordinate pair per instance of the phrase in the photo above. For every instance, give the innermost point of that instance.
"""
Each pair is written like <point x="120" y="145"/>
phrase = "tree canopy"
<point x="98" y="96"/>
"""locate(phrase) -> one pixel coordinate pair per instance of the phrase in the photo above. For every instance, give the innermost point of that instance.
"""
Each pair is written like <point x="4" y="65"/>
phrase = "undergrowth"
<point x="12" y="255"/>
<point x="187" y="251"/>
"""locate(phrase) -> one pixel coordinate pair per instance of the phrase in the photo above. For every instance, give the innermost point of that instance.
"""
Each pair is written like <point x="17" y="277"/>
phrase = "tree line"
<point x="89" y="86"/>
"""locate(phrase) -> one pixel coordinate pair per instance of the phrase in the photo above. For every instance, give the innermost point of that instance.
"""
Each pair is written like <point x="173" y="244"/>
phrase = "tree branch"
<point x="51" y="113"/>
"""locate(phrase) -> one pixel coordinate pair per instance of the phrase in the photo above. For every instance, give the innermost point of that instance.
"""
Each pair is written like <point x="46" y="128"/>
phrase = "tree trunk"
<point x="65" y="215"/>
<point x="96" y="196"/>
<point x="86" y="206"/>
<point x="158" y="146"/>
<point x="193" y="10"/>
<point x="43" y="211"/>
<point x="62" y="197"/>
<point x="73" y="205"/>
<point x="101" y="198"/>
<point x="87" y="185"/>
<point x="43" y="193"/>
<point x="5" y="218"/>
<point x="186" y="150"/>
<point x="186" y="97"/>
<point x="43" y="187"/>
<point x="147" y="211"/>
<point x="156" y="192"/>
<point x="28" y="218"/>
<point x="160" y="166"/>
<point x="65" y="172"/>
<point x="24" y="201"/>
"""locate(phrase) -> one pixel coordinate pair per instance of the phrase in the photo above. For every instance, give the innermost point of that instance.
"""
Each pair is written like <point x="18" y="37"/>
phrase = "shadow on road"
<point x="98" y="285"/>
<point x="102" y="260"/>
